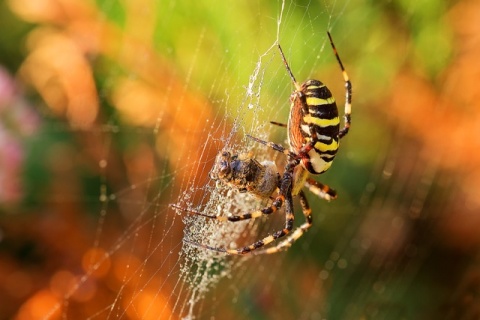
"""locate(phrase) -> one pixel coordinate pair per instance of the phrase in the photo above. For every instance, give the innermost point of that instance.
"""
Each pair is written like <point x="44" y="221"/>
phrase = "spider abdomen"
<point x="314" y="122"/>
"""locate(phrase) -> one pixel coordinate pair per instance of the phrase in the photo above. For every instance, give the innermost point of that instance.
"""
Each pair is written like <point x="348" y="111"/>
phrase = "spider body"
<point x="314" y="121"/>
<point x="313" y="137"/>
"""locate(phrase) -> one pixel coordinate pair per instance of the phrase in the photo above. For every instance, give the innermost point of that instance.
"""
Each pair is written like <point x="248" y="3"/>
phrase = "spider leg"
<point x="276" y="204"/>
<point x="196" y="244"/>
<point x="285" y="191"/>
<point x="348" y="92"/>
<point x="321" y="190"/>
<point x="307" y="212"/>
<point x="274" y="146"/>
<point x="275" y="123"/>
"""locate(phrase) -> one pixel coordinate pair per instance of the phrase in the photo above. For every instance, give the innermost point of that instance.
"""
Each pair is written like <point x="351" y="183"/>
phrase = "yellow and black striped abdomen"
<point x="314" y="120"/>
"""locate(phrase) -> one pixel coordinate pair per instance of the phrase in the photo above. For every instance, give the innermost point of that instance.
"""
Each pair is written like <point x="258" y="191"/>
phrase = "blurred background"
<point x="112" y="110"/>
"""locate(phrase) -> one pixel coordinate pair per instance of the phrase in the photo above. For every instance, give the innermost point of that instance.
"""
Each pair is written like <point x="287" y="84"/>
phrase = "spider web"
<point x="167" y="109"/>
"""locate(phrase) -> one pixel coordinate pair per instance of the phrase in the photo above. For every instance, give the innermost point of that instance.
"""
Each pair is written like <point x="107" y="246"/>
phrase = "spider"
<point x="313" y="137"/>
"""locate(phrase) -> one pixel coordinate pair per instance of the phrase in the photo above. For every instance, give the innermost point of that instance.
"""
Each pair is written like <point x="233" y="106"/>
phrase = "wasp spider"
<point x="313" y="136"/>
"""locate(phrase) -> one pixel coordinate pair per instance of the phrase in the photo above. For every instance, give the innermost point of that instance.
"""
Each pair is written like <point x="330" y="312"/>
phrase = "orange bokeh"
<point x="445" y="118"/>
<point x="61" y="75"/>
<point x="40" y="305"/>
